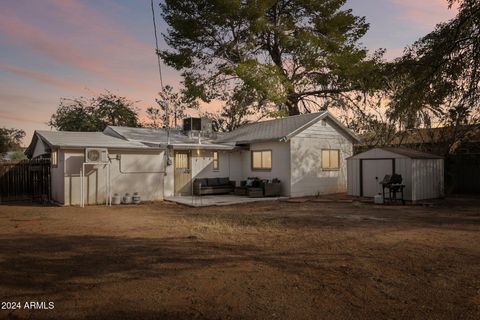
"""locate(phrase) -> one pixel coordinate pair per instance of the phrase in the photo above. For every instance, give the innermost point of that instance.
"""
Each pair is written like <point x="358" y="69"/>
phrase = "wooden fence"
<point x="462" y="174"/>
<point x="25" y="180"/>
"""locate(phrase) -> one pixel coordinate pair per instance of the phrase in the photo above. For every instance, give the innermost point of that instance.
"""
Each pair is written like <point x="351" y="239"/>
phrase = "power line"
<point x="157" y="51"/>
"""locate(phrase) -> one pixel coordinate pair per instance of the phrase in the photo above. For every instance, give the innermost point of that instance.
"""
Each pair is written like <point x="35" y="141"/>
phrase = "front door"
<point x="183" y="173"/>
<point x="373" y="171"/>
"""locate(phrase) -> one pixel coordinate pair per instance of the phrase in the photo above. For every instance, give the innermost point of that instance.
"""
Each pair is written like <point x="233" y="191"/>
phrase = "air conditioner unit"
<point x="97" y="155"/>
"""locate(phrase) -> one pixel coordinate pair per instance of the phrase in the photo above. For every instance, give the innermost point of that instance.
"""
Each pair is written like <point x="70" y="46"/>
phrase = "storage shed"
<point x="422" y="173"/>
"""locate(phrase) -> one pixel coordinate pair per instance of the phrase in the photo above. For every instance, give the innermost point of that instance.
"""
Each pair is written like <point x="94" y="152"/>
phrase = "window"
<point x="330" y="159"/>
<point x="54" y="158"/>
<point x="262" y="160"/>
<point x="215" y="160"/>
<point x="181" y="160"/>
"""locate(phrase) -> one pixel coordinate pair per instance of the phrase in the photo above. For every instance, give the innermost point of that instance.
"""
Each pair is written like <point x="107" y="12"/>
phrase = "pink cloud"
<point x="426" y="13"/>
<point x="44" y="78"/>
<point x="86" y="41"/>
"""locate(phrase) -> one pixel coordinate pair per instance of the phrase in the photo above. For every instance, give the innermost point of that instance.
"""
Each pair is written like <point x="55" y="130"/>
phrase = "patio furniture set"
<point x="252" y="187"/>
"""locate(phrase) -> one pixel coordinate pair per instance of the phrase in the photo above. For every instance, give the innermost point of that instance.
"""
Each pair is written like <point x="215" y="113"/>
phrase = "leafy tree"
<point x="10" y="139"/>
<point x="111" y="109"/>
<point x="235" y="113"/>
<point x="439" y="75"/>
<point x="94" y="114"/>
<point x="172" y="108"/>
<point x="18" y="155"/>
<point x="289" y="53"/>
<point x="155" y="118"/>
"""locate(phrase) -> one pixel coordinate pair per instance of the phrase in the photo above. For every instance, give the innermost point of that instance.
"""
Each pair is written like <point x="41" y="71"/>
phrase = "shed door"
<point x="183" y="173"/>
<point x="373" y="171"/>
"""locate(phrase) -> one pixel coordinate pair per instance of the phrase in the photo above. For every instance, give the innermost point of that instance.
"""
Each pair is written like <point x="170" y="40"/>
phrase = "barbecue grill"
<point x="393" y="185"/>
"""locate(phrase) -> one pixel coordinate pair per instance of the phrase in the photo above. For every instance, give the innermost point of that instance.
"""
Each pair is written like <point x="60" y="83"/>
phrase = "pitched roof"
<point x="175" y="137"/>
<point x="69" y="139"/>
<point x="413" y="154"/>
<point x="278" y="129"/>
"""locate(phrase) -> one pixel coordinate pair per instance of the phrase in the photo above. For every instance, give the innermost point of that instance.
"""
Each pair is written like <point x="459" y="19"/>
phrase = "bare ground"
<point x="308" y="260"/>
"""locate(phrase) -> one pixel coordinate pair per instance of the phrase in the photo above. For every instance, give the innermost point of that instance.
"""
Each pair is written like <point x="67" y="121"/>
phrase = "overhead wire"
<point x="157" y="51"/>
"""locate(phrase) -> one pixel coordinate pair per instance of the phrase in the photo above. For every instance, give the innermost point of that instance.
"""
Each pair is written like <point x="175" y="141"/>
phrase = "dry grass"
<point x="305" y="260"/>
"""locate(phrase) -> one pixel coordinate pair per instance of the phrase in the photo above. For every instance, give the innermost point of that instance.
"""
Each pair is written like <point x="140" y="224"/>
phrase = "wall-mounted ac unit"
<point x="97" y="155"/>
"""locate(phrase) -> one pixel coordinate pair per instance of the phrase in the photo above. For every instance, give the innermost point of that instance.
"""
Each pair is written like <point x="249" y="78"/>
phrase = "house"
<point x="133" y="166"/>
<point x="422" y="173"/>
<point x="306" y="153"/>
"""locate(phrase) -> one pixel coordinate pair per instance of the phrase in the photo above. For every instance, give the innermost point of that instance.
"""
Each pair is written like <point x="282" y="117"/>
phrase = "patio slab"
<point x="218" y="200"/>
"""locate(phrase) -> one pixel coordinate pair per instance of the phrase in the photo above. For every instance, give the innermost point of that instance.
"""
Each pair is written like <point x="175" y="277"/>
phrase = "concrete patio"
<point x="218" y="200"/>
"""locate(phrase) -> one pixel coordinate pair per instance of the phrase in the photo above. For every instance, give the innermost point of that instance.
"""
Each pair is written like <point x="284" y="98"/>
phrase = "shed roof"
<point x="409" y="153"/>
<point x="279" y="129"/>
<point x="413" y="154"/>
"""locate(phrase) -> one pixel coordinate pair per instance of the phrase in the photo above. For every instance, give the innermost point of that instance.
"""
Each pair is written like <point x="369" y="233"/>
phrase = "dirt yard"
<point x="313" y="260"/>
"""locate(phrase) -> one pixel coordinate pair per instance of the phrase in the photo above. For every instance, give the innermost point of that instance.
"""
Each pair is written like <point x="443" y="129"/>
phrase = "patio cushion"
<point x="202" y="181"/>
<point x="223" y="181"/>
<point x="212" y="182"/>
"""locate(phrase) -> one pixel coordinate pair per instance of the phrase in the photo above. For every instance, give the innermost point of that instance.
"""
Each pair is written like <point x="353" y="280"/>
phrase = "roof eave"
<point x="352" y="135"/>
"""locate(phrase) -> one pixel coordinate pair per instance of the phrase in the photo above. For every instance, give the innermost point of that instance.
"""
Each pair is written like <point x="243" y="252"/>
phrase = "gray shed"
<point x="422" y="173"/>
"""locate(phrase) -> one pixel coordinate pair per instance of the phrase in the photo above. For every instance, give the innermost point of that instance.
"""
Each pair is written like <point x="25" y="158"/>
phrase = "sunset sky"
<point x="70" y="48"/>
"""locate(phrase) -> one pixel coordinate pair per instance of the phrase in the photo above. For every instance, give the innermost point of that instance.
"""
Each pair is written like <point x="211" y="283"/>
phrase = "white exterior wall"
<point x="136" y="171"/>
<point x="403" y="166"/>
<point x="353" y="177"/>
<point x="58" y="179"/>
<point x="307" y="175"/>
<point x="168" y="179"/>
<point x="202" y="164"/>
<point x="427" y="179"/>
<point x="280" y="163"/>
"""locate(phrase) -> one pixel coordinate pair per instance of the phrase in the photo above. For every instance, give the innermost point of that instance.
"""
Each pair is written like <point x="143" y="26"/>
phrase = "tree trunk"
<point x="292" y="106"/>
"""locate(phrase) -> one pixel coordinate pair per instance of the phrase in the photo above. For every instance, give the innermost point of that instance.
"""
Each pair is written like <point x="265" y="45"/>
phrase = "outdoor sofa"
<point x="255" y="187"/>
<point x="206" y="186"/>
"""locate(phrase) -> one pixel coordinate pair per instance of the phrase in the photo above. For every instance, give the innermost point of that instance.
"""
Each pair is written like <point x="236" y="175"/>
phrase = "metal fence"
<point x="25" y="180"/>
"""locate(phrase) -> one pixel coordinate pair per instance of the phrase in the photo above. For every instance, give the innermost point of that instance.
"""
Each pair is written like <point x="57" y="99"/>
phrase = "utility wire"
<point x="157" y="51"/>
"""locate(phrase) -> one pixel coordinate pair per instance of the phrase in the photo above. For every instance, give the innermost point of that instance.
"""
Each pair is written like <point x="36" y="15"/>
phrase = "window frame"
<point x="261" y="160"/>
<point x="215" y="161"/>
<point x="329" y="168"/>
<point x="188" y="156"/>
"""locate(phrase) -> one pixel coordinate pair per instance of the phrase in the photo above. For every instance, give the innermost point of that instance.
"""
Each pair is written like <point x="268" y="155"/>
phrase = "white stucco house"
<point x="306" y="153"/>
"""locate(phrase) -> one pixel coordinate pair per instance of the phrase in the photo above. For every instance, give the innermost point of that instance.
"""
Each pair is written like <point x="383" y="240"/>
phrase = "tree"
<point x="439" y="75"/>
<point x="10" y="139"/>
<point x="289" y="53"/>
<point x="172" y="108"/>
<point x="236" y="112"/>
<point x="95" y="113"/>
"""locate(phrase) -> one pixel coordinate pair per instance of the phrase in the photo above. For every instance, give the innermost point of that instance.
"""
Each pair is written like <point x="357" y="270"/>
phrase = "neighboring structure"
<point x="463" y="139"/>
<point x="422" y="173"/>
<point x="306" y="152"/>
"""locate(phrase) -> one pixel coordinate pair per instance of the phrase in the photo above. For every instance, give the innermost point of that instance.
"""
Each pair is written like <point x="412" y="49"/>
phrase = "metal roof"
<point x="279" y="129"/>
<point x="177" y="139"/>
<point x="410" y="153"/>
<point x="69" y="139"/>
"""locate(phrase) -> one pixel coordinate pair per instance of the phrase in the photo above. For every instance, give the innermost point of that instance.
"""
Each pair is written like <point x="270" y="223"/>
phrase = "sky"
<point x="71" y="48"/>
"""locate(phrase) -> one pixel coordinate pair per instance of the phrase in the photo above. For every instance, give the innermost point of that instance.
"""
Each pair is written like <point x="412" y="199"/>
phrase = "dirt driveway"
<point x="311" y="260"/>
